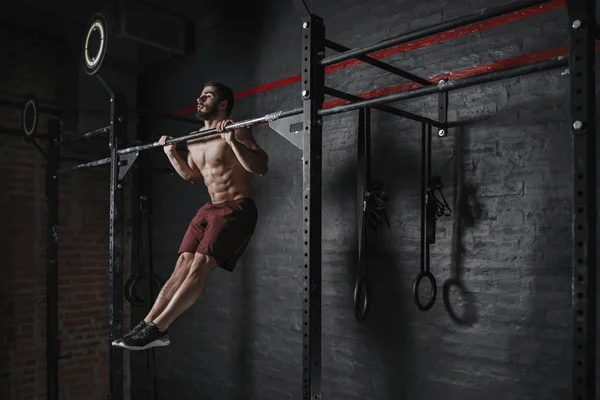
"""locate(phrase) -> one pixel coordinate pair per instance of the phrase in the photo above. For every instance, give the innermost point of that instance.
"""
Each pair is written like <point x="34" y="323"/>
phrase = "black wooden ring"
<point x="432" y="295"/>
<point x="92" y="63"/>
<point x="30" y="112"/>
<point x="361" y="309"/>
<point x="130" y="290"/>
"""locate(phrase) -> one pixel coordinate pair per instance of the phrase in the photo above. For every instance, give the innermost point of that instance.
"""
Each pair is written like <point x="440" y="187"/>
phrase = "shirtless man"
<point x="220" y="231"/>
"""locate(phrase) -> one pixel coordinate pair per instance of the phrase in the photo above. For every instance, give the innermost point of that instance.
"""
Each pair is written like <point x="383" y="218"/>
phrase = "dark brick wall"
<point x="33" y="62"/>
<point x="242" y="340"/>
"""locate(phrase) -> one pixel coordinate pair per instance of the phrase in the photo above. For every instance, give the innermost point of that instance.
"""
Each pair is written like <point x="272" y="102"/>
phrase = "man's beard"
<point x="207" y="113"/>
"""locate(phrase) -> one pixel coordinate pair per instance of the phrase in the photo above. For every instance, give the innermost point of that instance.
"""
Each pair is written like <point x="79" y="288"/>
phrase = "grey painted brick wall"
<point x="242" y="340"/>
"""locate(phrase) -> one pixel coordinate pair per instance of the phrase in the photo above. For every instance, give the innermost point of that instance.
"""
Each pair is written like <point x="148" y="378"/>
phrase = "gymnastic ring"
<point x="30" y="111"/>
<point x="361" y="310"/>
<point x="131" y="298"/>
<point x="157" y="282"/>
<point x="446" y="295"/>
<point x="131" y="288"/>
<point x="432" y="295"/>
<point x="91" y="64"/>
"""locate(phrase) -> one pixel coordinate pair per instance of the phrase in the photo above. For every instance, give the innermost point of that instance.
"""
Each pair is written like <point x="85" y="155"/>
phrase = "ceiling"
<point x="160" y="23"/>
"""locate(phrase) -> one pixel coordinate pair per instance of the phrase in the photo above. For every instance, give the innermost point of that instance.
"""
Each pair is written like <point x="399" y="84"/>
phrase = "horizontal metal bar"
<point x="383" y="107"/>
<point x="199" y="134"/>
<point x="424" y="91"/>
<point x="434" y="29"/>
<point x="380" y="64"/>
<point x="96" y="163"/>
<point x="451" y="85"/>
<point x="75" y="137"/>
<point x="190" y="136"/>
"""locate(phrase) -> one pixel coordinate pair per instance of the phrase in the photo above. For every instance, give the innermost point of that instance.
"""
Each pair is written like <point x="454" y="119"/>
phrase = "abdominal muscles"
<point x="225" y="178"/>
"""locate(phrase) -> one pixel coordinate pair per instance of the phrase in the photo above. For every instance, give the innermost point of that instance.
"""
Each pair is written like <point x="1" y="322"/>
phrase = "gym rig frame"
<point x="582" y="30"/>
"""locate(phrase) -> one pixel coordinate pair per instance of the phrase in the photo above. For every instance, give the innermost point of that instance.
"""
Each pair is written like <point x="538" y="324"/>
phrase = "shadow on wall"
<point x="244" y="333"/>
<point x="459" y="302"/>
<point x="533" y="334"/>
<point x="390" y="322"/>
<point x="385" y="333"/>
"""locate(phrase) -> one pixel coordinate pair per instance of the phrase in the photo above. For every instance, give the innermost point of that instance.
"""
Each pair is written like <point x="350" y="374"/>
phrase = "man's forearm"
<point x="182" y="168"/>
<point x="251" y="160"/>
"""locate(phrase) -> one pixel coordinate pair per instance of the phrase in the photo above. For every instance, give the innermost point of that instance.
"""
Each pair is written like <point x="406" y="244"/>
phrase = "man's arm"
<point x="186" y="169"/>
<point x="251" y="156"/>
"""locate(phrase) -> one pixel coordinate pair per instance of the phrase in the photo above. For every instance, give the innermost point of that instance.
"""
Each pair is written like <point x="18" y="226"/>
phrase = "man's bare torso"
<point x="225" y="178"/>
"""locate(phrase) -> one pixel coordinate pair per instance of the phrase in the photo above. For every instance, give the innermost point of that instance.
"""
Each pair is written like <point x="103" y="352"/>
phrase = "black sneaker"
<point x="135" y="330"/>
<point x="149" y="336"/>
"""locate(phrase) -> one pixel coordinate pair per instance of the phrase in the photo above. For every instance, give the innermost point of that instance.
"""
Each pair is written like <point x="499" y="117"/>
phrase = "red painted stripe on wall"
<point x="472" y="71"/>
<point x="500" y="65"/>
<point x="456" y="33"/>
<point x="418" y="44"/>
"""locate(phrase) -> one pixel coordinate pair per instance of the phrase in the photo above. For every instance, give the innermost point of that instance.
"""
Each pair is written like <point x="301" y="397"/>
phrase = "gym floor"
<point x="503" y="225"/>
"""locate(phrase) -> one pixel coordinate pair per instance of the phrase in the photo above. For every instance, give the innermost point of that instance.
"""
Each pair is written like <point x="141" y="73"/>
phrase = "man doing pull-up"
<point x="221" y="229"/>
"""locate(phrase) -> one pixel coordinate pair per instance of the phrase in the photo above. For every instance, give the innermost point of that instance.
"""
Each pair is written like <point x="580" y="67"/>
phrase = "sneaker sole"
<point x="156" y="343"/>
<point x="118" y="342"/>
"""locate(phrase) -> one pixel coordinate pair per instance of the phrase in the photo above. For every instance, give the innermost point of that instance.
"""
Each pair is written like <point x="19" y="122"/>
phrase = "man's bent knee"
<point x="202" y="264"/>
<point x="185" y="260"/>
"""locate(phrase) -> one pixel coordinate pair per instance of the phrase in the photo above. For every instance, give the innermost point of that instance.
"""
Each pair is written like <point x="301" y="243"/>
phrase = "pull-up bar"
<point x="445" y="86"/>
<point x="432" y="30"/>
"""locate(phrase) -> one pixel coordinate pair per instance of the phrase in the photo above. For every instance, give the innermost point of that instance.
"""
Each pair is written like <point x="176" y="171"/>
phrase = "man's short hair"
<point x="223" y="93"/>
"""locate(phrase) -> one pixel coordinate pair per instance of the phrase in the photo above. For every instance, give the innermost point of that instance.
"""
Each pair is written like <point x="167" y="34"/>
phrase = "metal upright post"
<point x="115" y="247"/>
<point x="52" y="343"/>
<point x="313" y="94"/>
<point x="582" y="56"/>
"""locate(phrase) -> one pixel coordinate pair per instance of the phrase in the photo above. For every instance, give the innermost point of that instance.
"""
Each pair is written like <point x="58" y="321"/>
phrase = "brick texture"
<point x="31" y="63"/>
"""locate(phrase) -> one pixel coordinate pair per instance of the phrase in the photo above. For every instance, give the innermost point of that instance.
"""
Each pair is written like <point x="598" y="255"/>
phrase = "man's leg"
<point x="189" y="291"/>
<point x="181" y="271"/>
<point x="153" y="334"/>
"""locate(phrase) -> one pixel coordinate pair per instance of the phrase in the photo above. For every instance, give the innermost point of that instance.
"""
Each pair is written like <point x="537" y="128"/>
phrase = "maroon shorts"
<point x="222" y="231"/>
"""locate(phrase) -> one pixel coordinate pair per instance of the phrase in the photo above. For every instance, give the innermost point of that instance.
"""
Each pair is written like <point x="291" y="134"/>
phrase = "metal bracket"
<point x="126" y="162"/>
<point x="443" y="111"/>
<point x="291" y="128"/>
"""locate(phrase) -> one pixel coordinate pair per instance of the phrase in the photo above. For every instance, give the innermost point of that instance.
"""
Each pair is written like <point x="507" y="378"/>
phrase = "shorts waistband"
<point x="226" y="203"/>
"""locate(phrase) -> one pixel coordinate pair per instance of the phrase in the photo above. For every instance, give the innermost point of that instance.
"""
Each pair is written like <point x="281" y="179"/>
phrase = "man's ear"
<point x="223" y="105"/>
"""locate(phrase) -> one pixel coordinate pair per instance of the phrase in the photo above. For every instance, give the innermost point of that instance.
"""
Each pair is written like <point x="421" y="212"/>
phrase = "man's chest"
<point x="210" y="151"/>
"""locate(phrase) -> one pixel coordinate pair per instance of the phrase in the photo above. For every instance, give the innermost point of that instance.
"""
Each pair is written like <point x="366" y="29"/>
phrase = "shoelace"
<point x="145" y="331"/>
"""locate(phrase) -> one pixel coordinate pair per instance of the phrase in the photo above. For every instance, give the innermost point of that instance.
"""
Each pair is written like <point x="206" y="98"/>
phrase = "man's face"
<point x="208" y="103"/>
